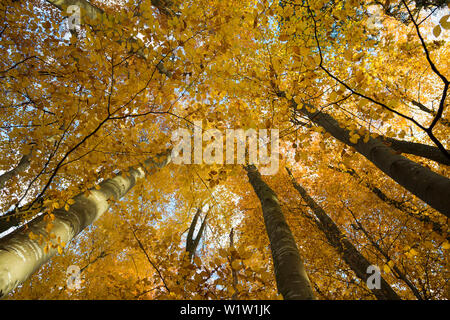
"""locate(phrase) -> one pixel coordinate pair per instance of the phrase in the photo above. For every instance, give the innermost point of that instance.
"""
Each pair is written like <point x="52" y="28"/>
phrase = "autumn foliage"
<point x="357" y="89"/>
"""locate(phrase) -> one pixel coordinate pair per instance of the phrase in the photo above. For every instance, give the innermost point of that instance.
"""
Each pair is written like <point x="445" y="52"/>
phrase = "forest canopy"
<point x="200" y="149"/>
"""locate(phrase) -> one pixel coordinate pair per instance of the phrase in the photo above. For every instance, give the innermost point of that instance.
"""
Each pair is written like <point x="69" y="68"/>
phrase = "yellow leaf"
<point x="236" y="265"/>
<point x="60" y="250"/>
<point x="284" y="37"/>
<point x="70" y="201"/>
<point x="446" y="245"/>
<point x="437" y="31"/>
<point x="49" y="227"/>
<point x="97" y="187"/>
<point x="445" y="23"/>
<point x="354" y="138"/>
<point x="366" y="138"/>
<point x="348" y="55"/>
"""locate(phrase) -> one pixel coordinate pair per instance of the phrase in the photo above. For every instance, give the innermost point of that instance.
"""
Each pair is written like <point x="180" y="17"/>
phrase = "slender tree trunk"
<point x="94" y="13"/>
<point x="191" y="241"/>
<point x="418" y="149"/>
<point x="355" y="260"/>
<point x="23" y="165"/>
<point x="397" y="272"/>
<point x="14" y="218"/>
<point x="427" y="185"/>
<point x="402" y="206"/>
<point x="234" y="274"/>
<point x="21" y="256"/>
<point x="292" y="280"/>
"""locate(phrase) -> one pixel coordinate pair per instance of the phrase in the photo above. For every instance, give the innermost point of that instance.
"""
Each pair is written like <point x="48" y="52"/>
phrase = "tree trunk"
<point x="23" y="165"/>
<point x="21" y="256"/>
<point x="234" y="274"/>
<point x="14" y="218"/>
<point x="93" y="13"/>
<point x="191" y="241"/>
<point x="292" y="280"/>
<point x="402" y="206"/>
<point x="427" y="185"/>
<point x="355" y="260"/>
<point x="418" y="149"/>
<point x="397" y="272"/>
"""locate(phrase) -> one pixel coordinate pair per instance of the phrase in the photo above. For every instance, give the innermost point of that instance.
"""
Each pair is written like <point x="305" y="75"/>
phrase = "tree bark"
<point x="418" y="149"/>
<point x="397" y="272"/>
<point x="23" y="165"/>
<point x="427" y="185"/>
<point x="14" y="218"/>
<point x="402" y="206"/>
<point x="21" y="256"/>
<point x="355" y="260"/>
<point x="292" y="280"/>
<point x="234" y="274"/>
<point x="191" y="241"/>
<point x="94" y="13"/>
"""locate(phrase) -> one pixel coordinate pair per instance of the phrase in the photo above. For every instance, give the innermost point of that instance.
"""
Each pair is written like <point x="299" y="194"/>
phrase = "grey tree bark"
<point x="23" y="165"/>
<point x="354" y="259"/>
<point x="427" y="185"/>
<point x="21" y="256"/>
<point x="292" y="280"/>
<point x="94" y="13"/>
<point x="418" y="149"/>
<point x="402" y="206"/>
<point x="191" y="241"/>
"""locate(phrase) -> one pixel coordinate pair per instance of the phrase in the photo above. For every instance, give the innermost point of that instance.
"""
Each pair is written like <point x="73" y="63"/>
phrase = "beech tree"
<point x="92" y="92"/>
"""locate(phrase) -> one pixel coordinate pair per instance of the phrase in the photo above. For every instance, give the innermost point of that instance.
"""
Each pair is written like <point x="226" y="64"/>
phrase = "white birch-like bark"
<point x="21" y="256"/>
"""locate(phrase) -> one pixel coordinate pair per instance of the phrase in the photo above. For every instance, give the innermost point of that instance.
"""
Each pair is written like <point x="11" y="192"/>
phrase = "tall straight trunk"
<point x="418" y="149"/>
<point x="21" y="256"/>
<point x="191" y="241"/>
<point x="354" y="259"/>
<point x="14" y="218"/>
<point x="94" y="13"/>
<point x="292" y="280"/>
<point x="427" y="185"/>
<point x="400" y="205"/>
<point x="234" y="274"/>
<point x="24" y="164"/>
<point x="397" y="272"/>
